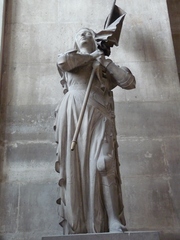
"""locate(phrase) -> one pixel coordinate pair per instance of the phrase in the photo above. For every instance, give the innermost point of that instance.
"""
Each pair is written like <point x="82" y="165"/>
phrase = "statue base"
<point x="140" y="235"/>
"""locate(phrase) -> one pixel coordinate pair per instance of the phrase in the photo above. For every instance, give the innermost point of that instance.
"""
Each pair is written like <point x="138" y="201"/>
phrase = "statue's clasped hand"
<point x="99" y="56"/>
<point x="96" y="54"/>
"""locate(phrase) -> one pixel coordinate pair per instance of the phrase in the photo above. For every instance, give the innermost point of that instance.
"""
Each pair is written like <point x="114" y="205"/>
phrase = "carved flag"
<point x="109" y="36"/>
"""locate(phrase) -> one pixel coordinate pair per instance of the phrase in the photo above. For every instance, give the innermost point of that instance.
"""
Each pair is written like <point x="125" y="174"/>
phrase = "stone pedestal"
<point x="109" y="236"/>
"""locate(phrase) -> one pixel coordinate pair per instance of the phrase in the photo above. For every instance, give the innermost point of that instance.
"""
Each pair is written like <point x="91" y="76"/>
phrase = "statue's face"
<point x="85" y="39"/>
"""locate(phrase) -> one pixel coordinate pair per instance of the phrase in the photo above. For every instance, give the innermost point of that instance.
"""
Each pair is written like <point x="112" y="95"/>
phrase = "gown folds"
<point x="81" y="199"/>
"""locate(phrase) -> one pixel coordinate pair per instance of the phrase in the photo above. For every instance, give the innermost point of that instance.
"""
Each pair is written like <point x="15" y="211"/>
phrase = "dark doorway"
<point x="174" y="16"/>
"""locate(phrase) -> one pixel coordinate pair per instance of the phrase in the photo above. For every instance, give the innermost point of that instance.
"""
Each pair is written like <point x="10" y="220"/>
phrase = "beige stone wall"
<point x="147" y="118"/>
<point x="36" y="32"/>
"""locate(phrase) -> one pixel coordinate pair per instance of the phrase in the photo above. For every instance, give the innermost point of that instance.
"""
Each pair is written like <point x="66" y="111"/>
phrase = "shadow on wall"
<point x="174" y="16"/>
<point x="149" y="48"/>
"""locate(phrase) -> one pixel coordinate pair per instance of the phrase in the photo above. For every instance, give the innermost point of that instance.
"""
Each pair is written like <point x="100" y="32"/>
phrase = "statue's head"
<point x="85" y="40"/>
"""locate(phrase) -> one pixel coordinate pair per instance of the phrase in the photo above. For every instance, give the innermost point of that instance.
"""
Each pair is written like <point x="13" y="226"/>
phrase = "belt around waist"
<point x="77" y="87"/>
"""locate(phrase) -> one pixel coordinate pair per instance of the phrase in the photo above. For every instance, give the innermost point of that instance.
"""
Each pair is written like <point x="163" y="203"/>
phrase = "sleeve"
<point x="71" y="60"/>
<point x="121" y="76"/>
<point x="63" y="81"/>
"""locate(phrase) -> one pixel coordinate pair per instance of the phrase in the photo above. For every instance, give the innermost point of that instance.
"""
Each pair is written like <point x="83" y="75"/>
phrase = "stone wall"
<point x="147" y="118"/>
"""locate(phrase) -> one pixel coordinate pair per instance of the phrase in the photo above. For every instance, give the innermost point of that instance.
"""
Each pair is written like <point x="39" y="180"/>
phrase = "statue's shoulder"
<point x="68" y="52"/>
<point x="72" y="51"/>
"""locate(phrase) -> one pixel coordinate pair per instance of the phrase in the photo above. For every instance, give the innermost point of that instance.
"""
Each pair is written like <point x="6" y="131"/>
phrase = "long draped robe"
<point x="82" y="207"/>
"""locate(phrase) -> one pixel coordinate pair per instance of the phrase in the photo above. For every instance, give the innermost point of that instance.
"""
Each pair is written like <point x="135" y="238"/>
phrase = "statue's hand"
<point x="97" y="53"/>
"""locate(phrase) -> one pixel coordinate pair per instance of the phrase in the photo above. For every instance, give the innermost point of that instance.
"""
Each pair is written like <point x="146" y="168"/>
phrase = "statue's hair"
<point x="93" y="34"/>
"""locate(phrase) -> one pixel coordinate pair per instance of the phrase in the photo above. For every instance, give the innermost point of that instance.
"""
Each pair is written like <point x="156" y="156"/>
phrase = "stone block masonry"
<point x="147" y="118"/>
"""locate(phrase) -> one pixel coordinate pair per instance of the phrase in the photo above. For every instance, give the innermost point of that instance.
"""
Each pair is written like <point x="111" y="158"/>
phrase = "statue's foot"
<point x="113" y="230"/>
<point x="117" y="227"/>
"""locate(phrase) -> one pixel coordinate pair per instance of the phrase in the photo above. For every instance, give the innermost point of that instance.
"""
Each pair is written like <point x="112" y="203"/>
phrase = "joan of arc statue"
<point x="89" y="178"/>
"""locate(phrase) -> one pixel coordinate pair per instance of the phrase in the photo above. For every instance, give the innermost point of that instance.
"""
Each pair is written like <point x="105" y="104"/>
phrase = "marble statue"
<point x="89" y="178"/>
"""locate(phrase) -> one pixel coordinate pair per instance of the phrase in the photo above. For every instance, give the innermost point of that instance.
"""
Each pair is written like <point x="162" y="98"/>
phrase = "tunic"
<point x="82" y="206"/>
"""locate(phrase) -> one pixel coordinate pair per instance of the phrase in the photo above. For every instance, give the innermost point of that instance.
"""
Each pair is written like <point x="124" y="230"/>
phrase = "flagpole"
<point x="81" y="115"/>
<point x="116" y="33"/>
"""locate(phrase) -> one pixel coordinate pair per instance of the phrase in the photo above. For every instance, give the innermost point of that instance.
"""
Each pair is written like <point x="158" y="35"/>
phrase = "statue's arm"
<point x="121" y="76"/>
<point x="72" y="60"/>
